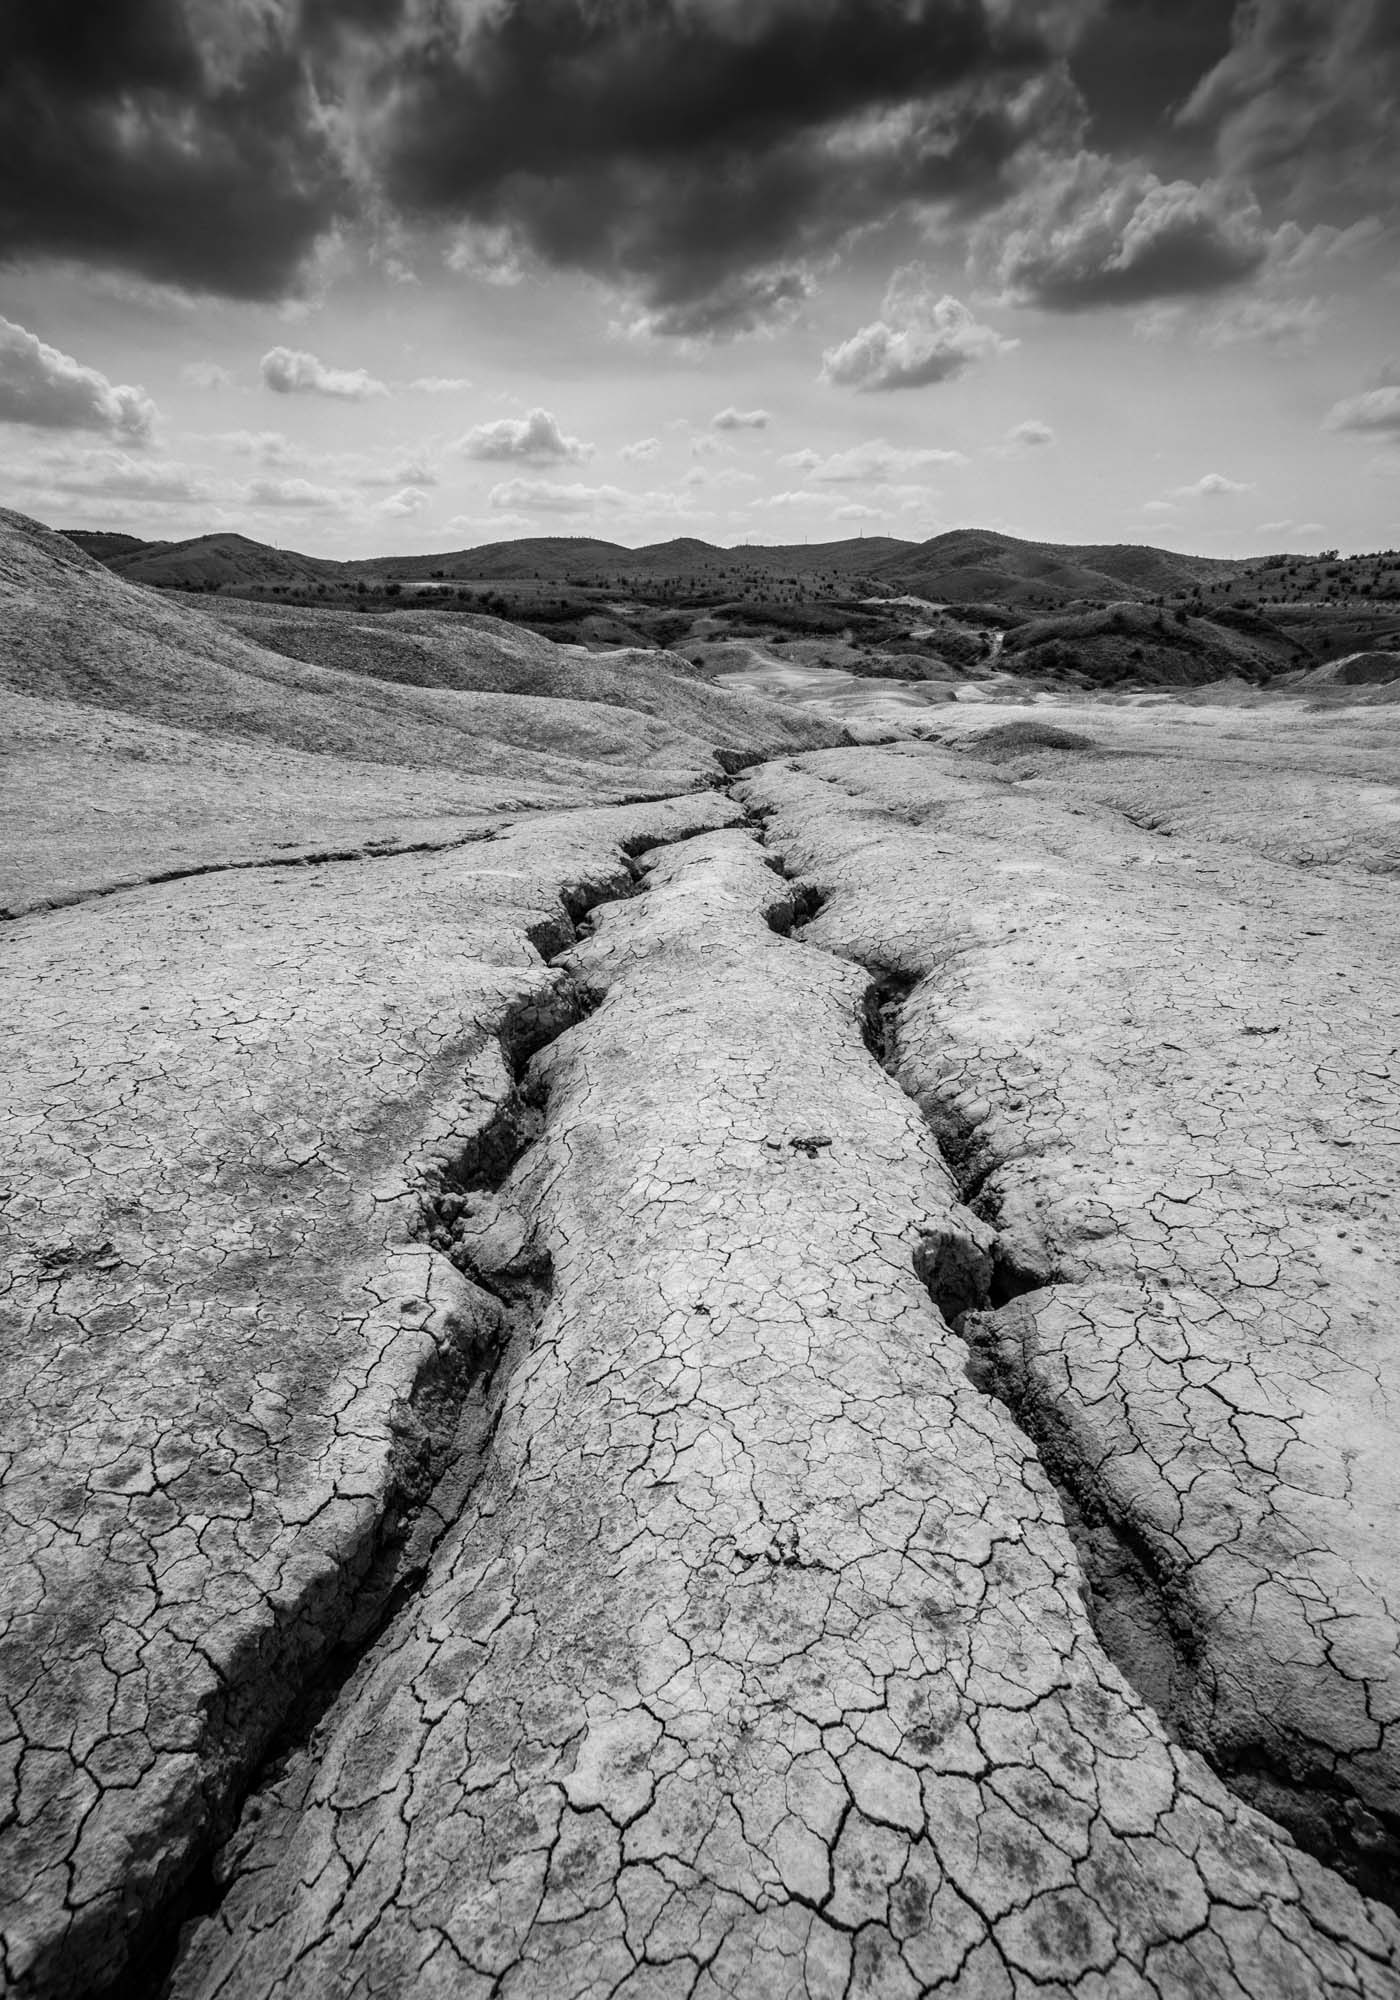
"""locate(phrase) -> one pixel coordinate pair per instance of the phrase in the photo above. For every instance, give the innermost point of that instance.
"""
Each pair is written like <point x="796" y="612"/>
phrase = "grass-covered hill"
<point x="1129" y="641"/>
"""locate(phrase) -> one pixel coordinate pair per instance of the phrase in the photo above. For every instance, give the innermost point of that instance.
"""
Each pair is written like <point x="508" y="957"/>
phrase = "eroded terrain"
<point x="782" y="1389"/>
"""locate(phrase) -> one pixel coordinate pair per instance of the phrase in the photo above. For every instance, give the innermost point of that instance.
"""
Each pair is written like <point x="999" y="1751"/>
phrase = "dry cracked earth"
<point x="788" y="1389"/>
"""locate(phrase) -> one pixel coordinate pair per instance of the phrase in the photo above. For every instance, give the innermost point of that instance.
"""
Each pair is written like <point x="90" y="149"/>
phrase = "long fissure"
<point x="443" y="1428"/>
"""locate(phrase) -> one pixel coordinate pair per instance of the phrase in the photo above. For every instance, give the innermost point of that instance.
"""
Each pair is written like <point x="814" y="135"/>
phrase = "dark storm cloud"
<point x="1136" y="64"/>
<point x="1306" y="104"/>
<point x="554" y="87"/>
<point x="1213" y="131"/>
<point x="707" y="156"/>
<point x="178" y="140"/>
<point x="702" y="149"/>
<point x="699" y="152"/>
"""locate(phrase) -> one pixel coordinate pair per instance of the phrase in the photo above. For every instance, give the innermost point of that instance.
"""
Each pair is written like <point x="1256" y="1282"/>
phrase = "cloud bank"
<point x="706" y="158"/>
<point x="699" y="153"/>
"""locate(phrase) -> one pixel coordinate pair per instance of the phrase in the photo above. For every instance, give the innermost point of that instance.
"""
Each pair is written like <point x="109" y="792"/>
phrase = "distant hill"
<point x="964" y="565"/>
<point x="205" y="560"/>
<point x="108" y="547"/>
<point x="976" y="565"/>
<point x="1252" y="619"/>
<point x="1132" y="641"/>
<point x="549" y="557"/>
<point x="581" y="559"/>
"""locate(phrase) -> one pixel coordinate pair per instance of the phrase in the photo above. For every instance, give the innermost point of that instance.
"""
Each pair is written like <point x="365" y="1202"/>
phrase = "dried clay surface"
<point x="823" y="1428"/>
<point x="757" y="1660"/>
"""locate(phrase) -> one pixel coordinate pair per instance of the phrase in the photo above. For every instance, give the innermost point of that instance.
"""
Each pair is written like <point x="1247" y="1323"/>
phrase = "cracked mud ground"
<point x="835" y="1439"/>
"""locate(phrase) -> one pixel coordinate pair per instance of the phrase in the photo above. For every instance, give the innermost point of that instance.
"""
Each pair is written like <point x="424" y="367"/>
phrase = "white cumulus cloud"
<point x="268" y="447"/>
<point x="1213" y="486"/>
<point x="103" y="473"/>
<point x="1031" y="435"/>
<point x="536" y="439"/>
<point x="292" y="372"/>
<point x="399" y="506"/>
<point x="1096" y="232"/>
<point x="45" y="388"/>
<point x="923" y="336"/>
<point x="740" y="420"/>
<point x="1375" y="410"/>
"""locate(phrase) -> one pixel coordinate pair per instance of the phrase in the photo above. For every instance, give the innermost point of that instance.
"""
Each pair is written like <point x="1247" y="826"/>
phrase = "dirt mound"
<point x="1128" y="641"/>
<point x="1013" y="739"/>
<point x="1373" y="669"/>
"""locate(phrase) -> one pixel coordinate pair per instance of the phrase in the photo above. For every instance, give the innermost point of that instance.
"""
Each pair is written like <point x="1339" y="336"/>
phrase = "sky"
<point x="374" y="276"/>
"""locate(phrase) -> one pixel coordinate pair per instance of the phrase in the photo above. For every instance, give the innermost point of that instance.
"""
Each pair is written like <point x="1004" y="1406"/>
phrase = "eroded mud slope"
<point x="140" y="736"/>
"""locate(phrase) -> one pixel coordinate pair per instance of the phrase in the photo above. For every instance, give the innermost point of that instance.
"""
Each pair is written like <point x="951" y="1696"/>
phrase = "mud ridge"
<point x="1135" y="1590"/>
<point x="1133" y="1600"/>
<point x="1135" y="1593"/>
<point x="1137" y="1599"/>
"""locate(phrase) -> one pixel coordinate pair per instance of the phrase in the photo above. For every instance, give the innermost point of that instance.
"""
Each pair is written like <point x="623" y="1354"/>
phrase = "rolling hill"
<point x="204" y="561"/>
<point x="972" y="564"/>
